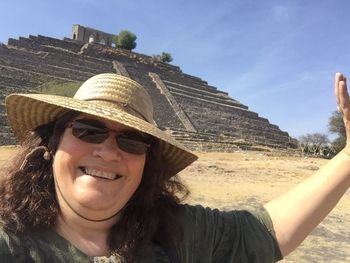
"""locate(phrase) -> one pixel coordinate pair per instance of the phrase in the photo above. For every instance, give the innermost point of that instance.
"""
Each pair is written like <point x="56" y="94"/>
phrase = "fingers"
<point x="341" y="94"/>
<point x="336" y="83"/>
<point x="343" y="101"/>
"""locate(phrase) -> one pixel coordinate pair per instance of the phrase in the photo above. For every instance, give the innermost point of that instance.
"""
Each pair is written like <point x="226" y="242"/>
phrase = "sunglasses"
<point x="94" y="131"/>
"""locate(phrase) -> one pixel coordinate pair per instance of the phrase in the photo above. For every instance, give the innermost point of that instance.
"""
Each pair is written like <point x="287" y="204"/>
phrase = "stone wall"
<point x="89" y="35"/>
<point x="199" y="115"/>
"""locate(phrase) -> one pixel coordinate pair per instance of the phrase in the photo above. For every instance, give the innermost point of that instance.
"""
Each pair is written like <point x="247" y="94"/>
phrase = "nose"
<point x="108" y="150"/>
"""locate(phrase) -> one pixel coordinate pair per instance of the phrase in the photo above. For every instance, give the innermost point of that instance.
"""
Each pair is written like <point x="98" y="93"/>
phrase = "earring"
<point x="47" y="155"/>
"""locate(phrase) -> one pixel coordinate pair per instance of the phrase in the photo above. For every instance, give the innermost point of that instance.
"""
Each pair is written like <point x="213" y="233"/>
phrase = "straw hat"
<point x="110" y="96"/>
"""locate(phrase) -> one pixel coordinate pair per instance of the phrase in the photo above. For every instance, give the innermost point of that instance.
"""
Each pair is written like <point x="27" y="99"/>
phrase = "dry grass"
<point x="247" y="179"/>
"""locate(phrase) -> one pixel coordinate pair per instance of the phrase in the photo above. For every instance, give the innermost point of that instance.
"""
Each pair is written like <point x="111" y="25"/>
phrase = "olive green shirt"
<point x="209" y="236"/>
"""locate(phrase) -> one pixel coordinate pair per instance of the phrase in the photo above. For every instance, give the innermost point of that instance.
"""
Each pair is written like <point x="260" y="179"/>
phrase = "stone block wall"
<point x="88" y="35"/>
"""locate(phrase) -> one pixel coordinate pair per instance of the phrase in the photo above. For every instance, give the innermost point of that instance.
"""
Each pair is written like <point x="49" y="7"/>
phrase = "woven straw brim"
<point x="25" y="112"/>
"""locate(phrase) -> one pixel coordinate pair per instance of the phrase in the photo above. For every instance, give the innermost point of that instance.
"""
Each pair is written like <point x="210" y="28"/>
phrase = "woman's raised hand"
<point x="343" y="101"/>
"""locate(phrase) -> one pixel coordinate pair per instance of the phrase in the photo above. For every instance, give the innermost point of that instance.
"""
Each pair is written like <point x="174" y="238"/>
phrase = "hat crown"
<point x="118" y="90"/>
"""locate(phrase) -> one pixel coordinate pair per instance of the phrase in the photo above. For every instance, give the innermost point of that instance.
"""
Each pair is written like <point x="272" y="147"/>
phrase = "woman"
<point x="96" y="182"/>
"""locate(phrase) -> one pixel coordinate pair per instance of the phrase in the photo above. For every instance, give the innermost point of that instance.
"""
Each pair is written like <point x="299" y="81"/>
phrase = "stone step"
<point x="202" y="90"/>
<point x="200" y="138"/>
<point x="201" y="112"/>
<point x="49" y="41"/>
<point x="61" y="59"/>
<point x="181" y="81"/>
<point x="47" y="69"/>
<point x="25" y="79"/>
<point x="213" y="147"/>
<point x="109" y="53"/>
<point x="33" y="46"/>
<point x="201" y="107"/>
<point x="227" y="124"/>
<point x="183" y="90"/>
<point x="246" y="142"/>
<point x="230" y="128"/>
<point x="207" y="99"/>
<point x="165" y="66"/>
<point x="185" y="79"/>
<point x="256" y="138"/>
<point x="17" y="80"/>
<point x="82" y="63"/>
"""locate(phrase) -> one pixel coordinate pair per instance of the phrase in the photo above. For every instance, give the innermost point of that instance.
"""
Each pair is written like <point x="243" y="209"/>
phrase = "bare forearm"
<point x="296" y="213"/>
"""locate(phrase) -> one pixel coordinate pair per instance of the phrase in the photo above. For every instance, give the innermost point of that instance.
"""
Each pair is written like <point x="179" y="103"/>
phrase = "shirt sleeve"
<point x="235" y="236"/>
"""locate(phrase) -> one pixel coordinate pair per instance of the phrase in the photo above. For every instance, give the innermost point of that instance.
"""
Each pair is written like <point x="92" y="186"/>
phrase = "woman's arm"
<point x="296" y="213"/>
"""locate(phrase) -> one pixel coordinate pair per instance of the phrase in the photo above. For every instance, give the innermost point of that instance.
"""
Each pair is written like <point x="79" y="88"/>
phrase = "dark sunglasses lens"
<point x="89" y="131"/>
<point x="132" y="145"/>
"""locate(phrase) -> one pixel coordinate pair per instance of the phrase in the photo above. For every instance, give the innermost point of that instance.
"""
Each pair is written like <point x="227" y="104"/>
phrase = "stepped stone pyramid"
<point x="201" y="116"/>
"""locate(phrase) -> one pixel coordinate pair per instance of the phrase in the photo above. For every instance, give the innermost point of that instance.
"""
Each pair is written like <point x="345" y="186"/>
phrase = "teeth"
<point x="100" y="174"/>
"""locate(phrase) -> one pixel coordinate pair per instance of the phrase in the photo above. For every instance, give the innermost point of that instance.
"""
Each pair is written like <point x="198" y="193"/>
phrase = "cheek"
<point x="63" y="165"/>
<point x="136" y="166"/>
<point x="67" y="153"/>
<point x="142" y="165"/>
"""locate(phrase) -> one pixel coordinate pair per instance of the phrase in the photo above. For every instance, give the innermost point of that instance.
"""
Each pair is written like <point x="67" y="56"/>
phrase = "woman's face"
<point x="96" y="180"/>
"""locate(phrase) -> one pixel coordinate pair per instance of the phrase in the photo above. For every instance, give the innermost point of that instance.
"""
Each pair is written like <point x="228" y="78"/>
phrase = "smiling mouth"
<point x="100" y="174"/>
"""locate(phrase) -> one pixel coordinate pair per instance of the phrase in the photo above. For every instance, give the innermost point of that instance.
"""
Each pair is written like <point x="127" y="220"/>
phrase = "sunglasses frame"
<point x="124" y="143"/>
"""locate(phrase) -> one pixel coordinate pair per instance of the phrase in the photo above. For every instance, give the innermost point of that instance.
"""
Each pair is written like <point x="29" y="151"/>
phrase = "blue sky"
<point x="277" y="57"/>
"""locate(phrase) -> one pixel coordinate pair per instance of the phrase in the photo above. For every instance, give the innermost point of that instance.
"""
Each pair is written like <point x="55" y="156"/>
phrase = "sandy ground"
<point x="246" y="179"/>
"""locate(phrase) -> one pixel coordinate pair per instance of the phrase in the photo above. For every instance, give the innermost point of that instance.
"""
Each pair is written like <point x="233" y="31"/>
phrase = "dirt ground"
<point x="246" y="179"/>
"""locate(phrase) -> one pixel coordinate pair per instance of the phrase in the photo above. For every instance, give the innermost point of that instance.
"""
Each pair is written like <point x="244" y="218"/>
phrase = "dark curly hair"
<point x="28" y="198"/>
